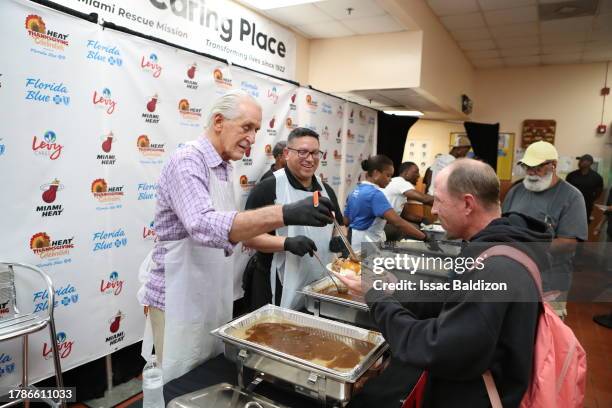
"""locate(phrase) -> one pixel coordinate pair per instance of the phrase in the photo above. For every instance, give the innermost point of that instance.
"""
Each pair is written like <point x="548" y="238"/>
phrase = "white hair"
<point x="227" y="105"/>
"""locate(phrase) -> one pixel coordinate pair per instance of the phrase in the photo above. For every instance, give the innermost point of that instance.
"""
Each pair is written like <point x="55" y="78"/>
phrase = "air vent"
<point x="567" y="9"/>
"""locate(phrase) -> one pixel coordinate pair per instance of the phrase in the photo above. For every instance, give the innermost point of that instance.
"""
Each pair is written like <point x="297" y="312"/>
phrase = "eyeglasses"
<point x="303" y="154"/>
<point x="535" y="168"/>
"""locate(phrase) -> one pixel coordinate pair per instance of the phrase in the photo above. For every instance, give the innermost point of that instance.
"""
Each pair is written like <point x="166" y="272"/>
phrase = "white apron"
<point x="375" y="233"/>
<point x="293" y="271"/>
<point x="199" y="295"/>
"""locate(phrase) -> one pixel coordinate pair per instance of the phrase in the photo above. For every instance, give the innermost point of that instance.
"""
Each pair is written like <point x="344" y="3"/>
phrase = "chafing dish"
<point x="222" y="395"/>
<point x="305" y="377"/>
<point x="320" y="304"/>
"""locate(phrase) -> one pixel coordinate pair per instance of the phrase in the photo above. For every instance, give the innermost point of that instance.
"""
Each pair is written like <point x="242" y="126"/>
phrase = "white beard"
<point x="537" y="183"/>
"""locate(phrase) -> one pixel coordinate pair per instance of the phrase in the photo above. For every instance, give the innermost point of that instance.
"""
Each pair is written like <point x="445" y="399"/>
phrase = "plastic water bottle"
<point x="152" y="385"/>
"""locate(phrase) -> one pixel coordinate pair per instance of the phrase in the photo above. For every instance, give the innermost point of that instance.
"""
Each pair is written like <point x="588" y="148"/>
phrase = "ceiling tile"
<point x="605" y="6"/>
<point x="561" y="58"/>
<point x="361" y="9"/>
<point x="475" y="55"/>
<point x="477" y="45"/>
<point x="598" y="45"/>
<point x="592" y="56"/>
<point x="603" y="22"/>
<point x="519" y="52"/>
<point x="325" y="30"/>
<point x="562" y="48"/>
<point x="298" y="15"/>
<point x="518" y="42"/>
<point x="512" y="16"/>
<point x="576" y="24"/>
<point x="373" y="25"/>
<point x="516" y="61"/>
<point x="465" y="21"/>
<point x="453" y="7"/>
<point x="514" y="30"/>
<point x="563" y="38"/>
<point x="488" y="63"/>
<point x="471" y="35"/>
<point x="503" y="4"/>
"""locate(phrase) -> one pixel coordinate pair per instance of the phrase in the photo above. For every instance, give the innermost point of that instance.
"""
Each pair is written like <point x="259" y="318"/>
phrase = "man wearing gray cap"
<point x="546" y="197"/>
<point x="588" y="181"/>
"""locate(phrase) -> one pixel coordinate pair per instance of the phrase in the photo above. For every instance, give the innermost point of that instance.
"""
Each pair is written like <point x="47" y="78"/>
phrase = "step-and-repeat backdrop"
<point x="89" y="115"/>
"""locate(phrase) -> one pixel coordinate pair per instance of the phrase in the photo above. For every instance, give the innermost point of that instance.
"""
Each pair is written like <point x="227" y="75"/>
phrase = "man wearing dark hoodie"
<point x="471" y="332"/>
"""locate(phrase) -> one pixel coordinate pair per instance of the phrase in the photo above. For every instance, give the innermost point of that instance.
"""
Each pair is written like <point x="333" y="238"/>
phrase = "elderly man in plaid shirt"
<point x="188" y="282"/>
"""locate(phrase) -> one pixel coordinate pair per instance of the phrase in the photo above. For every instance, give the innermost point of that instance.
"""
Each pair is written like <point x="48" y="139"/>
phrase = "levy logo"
<point x="340" y="111"/>
<point x="104" y="100"/>
<point x="64" y="347"/>
<point x="148" y="232"/>
<point x="47" y="146"/>
<point x="151" y="64"/>
<point x="272" y="94"/>
<point x="112" y="286"/>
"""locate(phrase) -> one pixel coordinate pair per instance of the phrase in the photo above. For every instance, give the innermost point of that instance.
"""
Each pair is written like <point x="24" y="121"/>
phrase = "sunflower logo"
<point x="218" y="75"/>
<point x="244" y="180"/>
<point x="308" y="99"/>
<point x="35" y="23"/>
<point x="143" y="141"/>
<point x="40" y="240"/>
<point x="99" y="186"/>
<point x="183" y="105"/>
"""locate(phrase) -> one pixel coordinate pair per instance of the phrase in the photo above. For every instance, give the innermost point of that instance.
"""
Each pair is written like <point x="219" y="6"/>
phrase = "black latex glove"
<point x="337" y="245"/>
<point x="300" y="245"/>
<point x="304" y="212"/>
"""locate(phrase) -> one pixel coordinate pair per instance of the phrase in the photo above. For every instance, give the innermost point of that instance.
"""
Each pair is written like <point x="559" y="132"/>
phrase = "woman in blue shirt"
<point x="367" y="208"/>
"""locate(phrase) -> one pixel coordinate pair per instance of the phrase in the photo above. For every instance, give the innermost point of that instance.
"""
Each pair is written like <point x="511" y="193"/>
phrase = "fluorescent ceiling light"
<point x="272" y="4"/>
<point x="404" y="112"/>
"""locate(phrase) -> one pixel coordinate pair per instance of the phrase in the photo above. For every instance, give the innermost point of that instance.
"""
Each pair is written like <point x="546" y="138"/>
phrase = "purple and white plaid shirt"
<point x="185" y="208"/>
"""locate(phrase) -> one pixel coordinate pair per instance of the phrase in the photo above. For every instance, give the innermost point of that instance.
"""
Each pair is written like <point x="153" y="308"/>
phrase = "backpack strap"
<point x="528" y="263"/>
<point x="518" y="256"/>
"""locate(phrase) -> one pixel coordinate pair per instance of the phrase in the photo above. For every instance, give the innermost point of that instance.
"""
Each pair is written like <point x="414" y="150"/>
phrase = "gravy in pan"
<point x="332" y="291"/>
<point x="310" y="344"/>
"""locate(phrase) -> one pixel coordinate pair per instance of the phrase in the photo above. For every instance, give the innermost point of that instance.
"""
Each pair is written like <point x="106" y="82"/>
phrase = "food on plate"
<point x="345" y="266"/>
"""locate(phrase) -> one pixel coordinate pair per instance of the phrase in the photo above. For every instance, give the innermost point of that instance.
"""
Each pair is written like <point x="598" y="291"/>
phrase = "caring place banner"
<point x="89" y="117"/>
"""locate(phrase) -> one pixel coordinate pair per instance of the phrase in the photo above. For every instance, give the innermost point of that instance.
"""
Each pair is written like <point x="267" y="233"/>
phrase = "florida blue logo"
<point x="2" y="147"/>
<point x="104" y="240"/>
<point x="65" y="296"/>
<point x="38" y="90"/>
<point x="99" y="52"/>
<point x="7" y="365"/>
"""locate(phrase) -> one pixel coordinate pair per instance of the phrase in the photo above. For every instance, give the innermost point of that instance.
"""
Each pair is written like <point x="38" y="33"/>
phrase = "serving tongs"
<point x="340" y="289"/>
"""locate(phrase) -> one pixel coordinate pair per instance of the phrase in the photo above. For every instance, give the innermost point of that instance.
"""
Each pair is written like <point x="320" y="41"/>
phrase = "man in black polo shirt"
<point x="586" y="180"/>
<point x="279" y="263"/>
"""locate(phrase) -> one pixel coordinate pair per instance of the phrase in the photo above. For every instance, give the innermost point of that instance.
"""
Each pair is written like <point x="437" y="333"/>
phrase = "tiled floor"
<point x="597" y="341"/>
